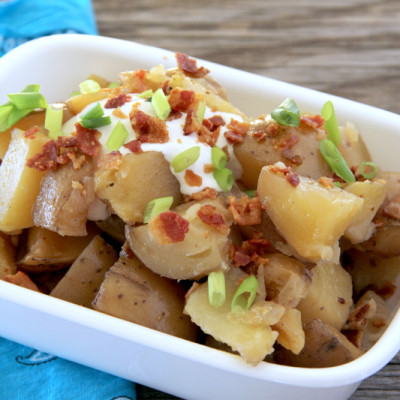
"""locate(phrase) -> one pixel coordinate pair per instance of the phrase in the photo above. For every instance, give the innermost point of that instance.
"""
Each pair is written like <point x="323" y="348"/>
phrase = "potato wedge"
<point x="77" y="103"/>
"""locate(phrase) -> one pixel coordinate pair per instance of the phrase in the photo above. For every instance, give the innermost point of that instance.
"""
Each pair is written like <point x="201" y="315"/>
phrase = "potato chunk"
<point x="139" y="179"/>
<point x="19" y="184"/>
<point x="77" y="103"/>
<point x="7" y="264"/>
<point x="310" y="216"/>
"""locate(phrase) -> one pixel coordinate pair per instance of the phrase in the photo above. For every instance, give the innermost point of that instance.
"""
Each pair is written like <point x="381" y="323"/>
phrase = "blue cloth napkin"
<point x="25" y="373"/>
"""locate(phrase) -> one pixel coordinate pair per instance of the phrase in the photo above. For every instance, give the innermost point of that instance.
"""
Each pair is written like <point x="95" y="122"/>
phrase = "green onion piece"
<point x="117" y="137"/>
<point x="250" y="193"/>
<point x="331" y="125"/>
<point x="113" y="85"/>
<point x="53" y="121"/>
<point x="146" y="94"/>
<point x="218" y="157"/>
<point x="201" y="111"/>
<point x="94" y="112"/>
<point x="34" y="88"/>
<point x="156" y="207"/>
<point x="160" y="104"/>
<point x="16" y="115"/>
<point x="89" y="86"/>
<point x="368" y="165"/>
<point x="337" y="184"/>
<point x="76" y="93"/>
<point x="287" y="113"/>
<point x="335" y="160"/>
<point x="224" y="178"/>
<point x="28" y="100"/>
<point x="245" y="293"/>
<point x="216" y="289"/>
<point x="185" y="159"/>
<point x="93" y="123"/>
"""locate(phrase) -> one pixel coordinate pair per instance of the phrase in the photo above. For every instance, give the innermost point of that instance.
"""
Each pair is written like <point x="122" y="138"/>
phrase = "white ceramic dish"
<point x="151" y="358"/>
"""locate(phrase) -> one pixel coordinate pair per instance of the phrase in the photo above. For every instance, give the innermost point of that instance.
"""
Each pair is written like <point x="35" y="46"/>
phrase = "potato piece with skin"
<point x="139" y="179"/>
<point x="133" y="292"/>
<point x="203" y="249"/>
<point x="329" y="296"/>
<point x="324" y="347"/>
<point x="7" y="253"/>
<point x="77" y="103"/>
<point x="19" y="184"/>
<point x="310" y="216"/>
<point x="83" y="279"/>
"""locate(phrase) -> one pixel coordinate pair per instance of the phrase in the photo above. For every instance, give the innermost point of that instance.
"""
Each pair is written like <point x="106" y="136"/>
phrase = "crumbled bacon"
<point x="192" y="179"/>
<point x="150" y="129"/>
<point x="189" y="66"/>
<point x="21" y="279"/>
<point x="233" y="137"/>
<point x="174" y="115"/>
<point x="210" y="216"/>
<point x="169" y="227"/>
<point x="166" y="88"/>
<point x="269" y="130"/>
<point x="293" y="179"/>
<point x="119" y="114"/>
<point x="208" y="168"/>
<point x="191" y="124"/>
<point x="289" y="141"/>
<point x="47" y="159"/>
<point x="293" y="158"/>
<point x="251" y="251"/>
<point x="110" y="161"/>
<point x="87" y="140"/>
<point x="239" y="257"/>
<point x="136" y="81"/>
<point x="180" y="99"/>
<point x="327" y="182"/>
<point x="245" y="211"/>
<point x="208" y="137"/>
<point x="134" y="146"/>
<point x="313" y="121"/>
<point x="117" y="101"/>
<point x="31" y="133"/>
<point x="207" y="193"/>
<point x="259" y="246"/>
<point x="213" y="123"/>
<point x="236" y="131"/>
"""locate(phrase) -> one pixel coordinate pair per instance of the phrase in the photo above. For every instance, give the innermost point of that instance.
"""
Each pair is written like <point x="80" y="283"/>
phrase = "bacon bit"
<point x="259" y="246"/>
<point x="151" y="129"/>
<point x="180" y="99"/>
<point x="233" y="137"/>
<point x="136" y="83"/>
<point x="326" y="182"/>
<point x="31" y="133"/>
<point x="111" y="161"/>
<point x="47" y="159"/>
<point x="117" y="101"/>
<point x="191" y="124"/>
<point x="166" y="88"/>
<point x="209" y="215"/>
<point x="134" y="146"/>
<point x="189" y="66"/>
<point x="21" y="279"/>
<point x="169" y="227"/>
<point x="174" y="115"/>
<point x="193" y="179"/>
<point x="208" y="137"/>
<point x="293" y="179"/>
<point x="215" y="121"/>
<point x="241" y="128"/>
<point x="207" y="193"/>
<point x="250" y="252"/>
<point x="208" y="168"/>
<point x="313" y="121"/>
<point x="239" y="257"/>
<point x="77" y="160"/>
<point x="293" y="158"/>
<point x="119" y="114"/>
<point x="87" y="140"/>
<point x="289" y="141"/>
<point x="246" y="211"/>
<point x="270" y="130"/>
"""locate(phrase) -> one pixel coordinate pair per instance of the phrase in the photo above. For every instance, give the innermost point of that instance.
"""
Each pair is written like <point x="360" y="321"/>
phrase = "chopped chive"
<point x="28" y="100"/>
<point x="160" y="104"/>
<point x="94" y="112"/>
<point x="245" y="293"/>
<point x="224" y="178"/>
<point x="93" y="123"/>
<point x="250" y="193"/>
<point x="89" y="86"/>
<point x="117" y="137"/>
<point x="146" y="94"/>
<point x="331" y="125"/>
<point x="287" y="113"/>
<point x="335" y="160"/>
<point x="368" y="165"/>
<point x="33" y="88"/>
<point x="216" y="289"/>
<point x="53" y="121"/>
<point x="156" y="207"/>
<point x="201" y="111"/>
<point x="113" y="85"/>
<point x="337" y="184"/>
<point x="185" y="159"/>
<point x="218" y="157"/>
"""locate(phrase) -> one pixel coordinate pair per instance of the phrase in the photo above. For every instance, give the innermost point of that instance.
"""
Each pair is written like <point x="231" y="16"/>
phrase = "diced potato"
<point x="132" y="292"/>
<point x="64" y="199"/>
<point x="139" y="179"/>
<point x="7" y="253"/>
<point x="324" y="347"/>
<point x="19" y="184"/>
<point x="83" y="279"/>
<point x="286" y="279"/>
<point x="373" y="193"/>
<point x="114" y="227"/>
<point x="329" y="296"/>
<point x="310" y="216"/>
<point x="77" y="103"/>
<point x="203" y="249"/>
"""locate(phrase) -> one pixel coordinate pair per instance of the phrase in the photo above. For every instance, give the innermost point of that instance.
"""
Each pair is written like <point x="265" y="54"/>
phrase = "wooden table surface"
<point x="350" y="48"/>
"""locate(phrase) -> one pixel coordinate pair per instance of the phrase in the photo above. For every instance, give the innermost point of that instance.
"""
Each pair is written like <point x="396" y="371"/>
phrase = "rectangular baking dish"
<point x="188" y="370"/>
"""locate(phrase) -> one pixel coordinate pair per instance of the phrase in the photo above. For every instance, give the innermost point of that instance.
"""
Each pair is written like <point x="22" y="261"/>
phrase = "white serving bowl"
<point x="185" y="369"/>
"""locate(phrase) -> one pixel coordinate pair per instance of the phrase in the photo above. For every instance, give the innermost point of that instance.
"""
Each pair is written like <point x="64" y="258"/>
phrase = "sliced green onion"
<point x="156" y="207"/>
<point x="33" y="88"/>
<point x="53" y="121"/>
<point x="250" y="193"/>
<point x="335" y="160"/>
<point x="287" y="113"/>
<point x="185" y="159"/>
<point x="245" y="293"/>
<point x="93" y="123"/>
<point x="218" y="157"/>
<point x="160" y="104"/>
<point x="117" y="137"/>
<point x="28" y="100"/>
<point x="216" y="289"/>
<point x="113" y="85"/>
<point x="201" y="111"/>
<point x="94" y="112"/>
<point x="364" y="168"/>
<point x="224" y="178"/>
<point x="146" y="94"/>
<point x="331" y="125"/>
<point x="337" y="184"/>
<point x="89" y="86"/>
